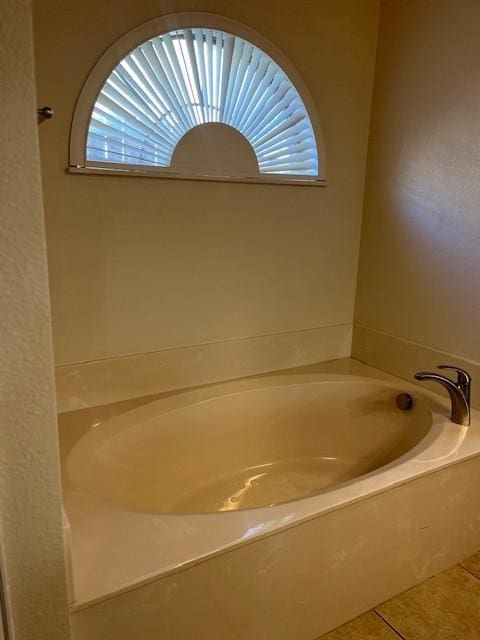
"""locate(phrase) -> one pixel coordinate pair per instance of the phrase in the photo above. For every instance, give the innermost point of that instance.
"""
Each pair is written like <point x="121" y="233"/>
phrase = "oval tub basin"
<point x="246" y="449"/>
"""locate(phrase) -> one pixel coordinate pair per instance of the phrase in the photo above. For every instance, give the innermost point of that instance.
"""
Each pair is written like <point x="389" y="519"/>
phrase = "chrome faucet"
<point x="458" y="391"/>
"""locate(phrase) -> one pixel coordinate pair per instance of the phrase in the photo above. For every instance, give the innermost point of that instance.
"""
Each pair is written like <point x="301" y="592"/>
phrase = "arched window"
<point x="204" y="100"/>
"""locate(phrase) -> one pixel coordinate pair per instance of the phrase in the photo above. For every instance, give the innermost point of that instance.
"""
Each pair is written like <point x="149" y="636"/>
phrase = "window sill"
<point x="264" y="179"/>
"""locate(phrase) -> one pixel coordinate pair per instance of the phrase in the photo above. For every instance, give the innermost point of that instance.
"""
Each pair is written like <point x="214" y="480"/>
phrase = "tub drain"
<point x="404" y="401"/>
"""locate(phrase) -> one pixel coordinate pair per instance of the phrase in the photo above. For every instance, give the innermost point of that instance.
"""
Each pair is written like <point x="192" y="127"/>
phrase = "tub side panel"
<point x="304" y="581"/>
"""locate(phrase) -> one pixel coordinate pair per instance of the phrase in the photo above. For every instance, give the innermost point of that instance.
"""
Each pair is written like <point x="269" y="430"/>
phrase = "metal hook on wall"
<point x="44" y="113"/>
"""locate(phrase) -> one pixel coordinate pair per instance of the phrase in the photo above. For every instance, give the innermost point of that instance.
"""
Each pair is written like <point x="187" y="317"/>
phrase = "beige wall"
<point x="420" y="252"/>
<point x="139" y="265"/>
<point x="31" y="546"/>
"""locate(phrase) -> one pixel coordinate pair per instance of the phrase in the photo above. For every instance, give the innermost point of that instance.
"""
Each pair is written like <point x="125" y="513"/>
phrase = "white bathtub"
<point x="253" y="509"/>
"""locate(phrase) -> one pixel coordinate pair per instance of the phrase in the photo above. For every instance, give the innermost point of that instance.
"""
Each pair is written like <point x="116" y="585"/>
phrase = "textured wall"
<point x="420" y="252"/>
<point x="30" y="515"/>
<point x="139" y="265"/>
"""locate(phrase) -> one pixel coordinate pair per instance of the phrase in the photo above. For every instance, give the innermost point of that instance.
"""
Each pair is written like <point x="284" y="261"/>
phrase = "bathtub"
<point x="263" y="508"/>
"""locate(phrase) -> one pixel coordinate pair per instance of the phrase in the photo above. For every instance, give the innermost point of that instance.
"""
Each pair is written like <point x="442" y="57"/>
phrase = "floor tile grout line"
<point x="468" y="571"/>
<point x="395" y="631"/>
<point x="387" y="623"/>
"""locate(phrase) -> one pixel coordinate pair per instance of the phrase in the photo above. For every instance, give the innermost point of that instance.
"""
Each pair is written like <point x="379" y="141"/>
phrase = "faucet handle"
<point x="463" y="378"/>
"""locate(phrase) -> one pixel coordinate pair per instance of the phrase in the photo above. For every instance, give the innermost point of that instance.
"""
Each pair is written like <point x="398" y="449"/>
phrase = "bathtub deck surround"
<point x="140" y="571"/>
<point x="102" y="382"/>
<point x="403" y="358"/>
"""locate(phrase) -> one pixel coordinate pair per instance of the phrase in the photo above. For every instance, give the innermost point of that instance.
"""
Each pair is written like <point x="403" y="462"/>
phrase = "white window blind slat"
<point x="188" y="77"/>
<point x="227" y="54"/>
<point x="124" y="129"/>
<point x="125" y="101"/>
<point x="282" y="161"/>
<point x="137" y="78"/>
<point x="192" y="62"/>
<point x="121" y="146"/>
<point x="140" y="64"/>
<point x="208" y="35"/>
<point x="169" y="81"/>
<point x="177" y="115"/>
<point x="275" y="105"/>
<point x="124" y="110"/>
<point x="217" y="70"/>
<point x="267" y="86"/>
<point x="233" y="77"/>
<point x="114" y="133"/>
<point x="123" y="79"/>
<point x="284" y="126"/>
<point x="148" y="63"/>
<point x="286" y="139"/>
<point x="292" y="142"/>
<point x="287" y="151"/>
<point x="181" y="82"/>
<point x="255" y="72"/>
<point x="127" y="125"/>
<point x="100" y="154"/>
<point x="199" y="53"/>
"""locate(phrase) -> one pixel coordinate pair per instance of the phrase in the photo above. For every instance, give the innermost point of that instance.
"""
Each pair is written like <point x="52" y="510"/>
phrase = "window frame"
<point x="78" y="162"/>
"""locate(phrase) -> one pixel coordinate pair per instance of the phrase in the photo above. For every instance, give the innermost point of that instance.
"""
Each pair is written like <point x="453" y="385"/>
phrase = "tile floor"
<point x="446" y="607"/>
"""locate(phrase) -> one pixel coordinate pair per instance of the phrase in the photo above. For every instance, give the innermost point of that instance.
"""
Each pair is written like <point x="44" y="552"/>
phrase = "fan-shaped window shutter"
<point x="186" y="78"/>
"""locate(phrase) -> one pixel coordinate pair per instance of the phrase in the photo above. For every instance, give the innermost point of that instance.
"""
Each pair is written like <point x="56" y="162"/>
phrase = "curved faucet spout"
<point x="458" y="396"/>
